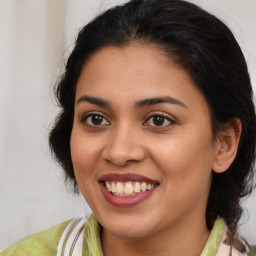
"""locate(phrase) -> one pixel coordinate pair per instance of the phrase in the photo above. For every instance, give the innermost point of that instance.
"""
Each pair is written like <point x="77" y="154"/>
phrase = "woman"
<point x="157" y="131"/>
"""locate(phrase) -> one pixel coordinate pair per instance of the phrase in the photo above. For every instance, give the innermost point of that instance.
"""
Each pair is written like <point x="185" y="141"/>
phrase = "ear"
<point x="226" y="145"/>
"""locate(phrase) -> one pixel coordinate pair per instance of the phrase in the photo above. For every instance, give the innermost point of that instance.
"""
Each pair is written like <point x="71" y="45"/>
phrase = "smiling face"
<point x="141" y="145"/>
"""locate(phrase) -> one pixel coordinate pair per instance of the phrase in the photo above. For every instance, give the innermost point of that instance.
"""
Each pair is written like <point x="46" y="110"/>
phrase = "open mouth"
<point x="129" y="188"/>
<point x="127" y="184"/>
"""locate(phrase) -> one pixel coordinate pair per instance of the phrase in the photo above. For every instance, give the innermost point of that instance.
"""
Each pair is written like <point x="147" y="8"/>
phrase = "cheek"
<point x="186" y="168"/>
<point x="84" y="157"/>
<point x="186" y="160"/>
<point x="84" y="152"/>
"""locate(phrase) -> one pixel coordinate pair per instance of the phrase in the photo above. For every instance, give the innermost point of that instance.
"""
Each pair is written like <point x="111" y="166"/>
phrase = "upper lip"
<point x="126" y="177"/>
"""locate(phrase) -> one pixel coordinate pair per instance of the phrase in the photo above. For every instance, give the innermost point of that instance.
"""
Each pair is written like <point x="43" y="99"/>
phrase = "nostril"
<point x="122" y="153"/>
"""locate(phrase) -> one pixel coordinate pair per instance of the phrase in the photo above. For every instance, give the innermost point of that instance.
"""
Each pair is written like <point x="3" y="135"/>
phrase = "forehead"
<point x="134" y="60"/>
<point x="135" y="72"/>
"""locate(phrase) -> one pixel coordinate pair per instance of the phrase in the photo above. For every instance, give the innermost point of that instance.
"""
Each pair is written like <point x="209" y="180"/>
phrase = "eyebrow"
<point x="137" y="105"/>
<point x="93" y="100"/>
<point x="159" y="100"/>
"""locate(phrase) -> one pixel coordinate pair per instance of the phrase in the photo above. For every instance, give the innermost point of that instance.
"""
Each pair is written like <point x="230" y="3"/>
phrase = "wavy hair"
<point x="202" y="45"/>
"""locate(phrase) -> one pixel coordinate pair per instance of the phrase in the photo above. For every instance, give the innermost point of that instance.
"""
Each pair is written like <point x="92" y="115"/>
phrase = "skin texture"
<point x="180" y="154"/>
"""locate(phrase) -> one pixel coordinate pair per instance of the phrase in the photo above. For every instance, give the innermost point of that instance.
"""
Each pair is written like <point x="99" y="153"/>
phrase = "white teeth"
<point x="137" y="187"/>
<point x="127" y="188"/>
<point x="108" y="186"/>
<point x="143" y="186"/>
<point x="113" y="187"/>
<point x="119" y="188"/>
<point x="149" y="186"/>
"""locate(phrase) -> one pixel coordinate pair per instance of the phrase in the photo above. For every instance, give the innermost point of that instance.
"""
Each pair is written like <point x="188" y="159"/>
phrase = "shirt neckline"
<point x="92" y="243"/>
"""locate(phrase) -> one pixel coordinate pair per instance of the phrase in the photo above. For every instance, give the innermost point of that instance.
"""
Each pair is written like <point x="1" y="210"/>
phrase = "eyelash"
<point x="161" y="115"/>
<point x="86" y="117"/>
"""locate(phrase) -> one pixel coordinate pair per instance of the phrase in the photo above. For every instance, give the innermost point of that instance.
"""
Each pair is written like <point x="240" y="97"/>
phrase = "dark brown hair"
<point x="199" y="43"/>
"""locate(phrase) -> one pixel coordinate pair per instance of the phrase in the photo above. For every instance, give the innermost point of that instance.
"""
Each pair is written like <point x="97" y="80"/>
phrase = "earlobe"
<point x="226" y="145"/>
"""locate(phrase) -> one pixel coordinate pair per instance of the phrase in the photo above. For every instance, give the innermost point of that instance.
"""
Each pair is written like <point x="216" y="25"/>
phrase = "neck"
<point x="181" y="240"/>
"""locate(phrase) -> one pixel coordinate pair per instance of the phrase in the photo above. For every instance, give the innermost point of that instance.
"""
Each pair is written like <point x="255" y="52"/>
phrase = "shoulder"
<point x="42" y="243"/>
<point x="235" y="245"/>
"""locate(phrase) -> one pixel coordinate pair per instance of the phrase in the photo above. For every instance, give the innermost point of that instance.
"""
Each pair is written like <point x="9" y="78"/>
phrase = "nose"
<point x="124" y="147"/>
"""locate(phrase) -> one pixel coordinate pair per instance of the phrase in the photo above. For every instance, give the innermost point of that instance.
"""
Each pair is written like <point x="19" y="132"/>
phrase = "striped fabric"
<point x="81" y="237"/>
<point x="79" y="234"/>
<point x="234" y="245"/>
<point x="71" y="242"/>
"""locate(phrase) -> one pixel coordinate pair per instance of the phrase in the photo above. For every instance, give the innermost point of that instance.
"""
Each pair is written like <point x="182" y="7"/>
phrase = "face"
<point x="141" y="144"/>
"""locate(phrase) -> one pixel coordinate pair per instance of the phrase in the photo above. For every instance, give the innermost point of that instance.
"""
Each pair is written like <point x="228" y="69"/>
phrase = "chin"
<point x="128" y="227"/>
<point x="128" y="232"/>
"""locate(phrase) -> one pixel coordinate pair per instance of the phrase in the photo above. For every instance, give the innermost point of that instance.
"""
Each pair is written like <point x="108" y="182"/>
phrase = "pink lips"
<point x="126" y="201"/>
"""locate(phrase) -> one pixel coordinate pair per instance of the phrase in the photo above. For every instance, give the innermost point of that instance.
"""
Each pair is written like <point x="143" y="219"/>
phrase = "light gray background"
<point x="35" y="37"/>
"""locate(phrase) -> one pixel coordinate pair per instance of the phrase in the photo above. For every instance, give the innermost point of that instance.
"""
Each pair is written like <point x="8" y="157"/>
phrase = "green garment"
<point x="45" y="243"/>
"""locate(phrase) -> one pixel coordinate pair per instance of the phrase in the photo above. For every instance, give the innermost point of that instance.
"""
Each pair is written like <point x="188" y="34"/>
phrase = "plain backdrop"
<point x="36" y="36"/>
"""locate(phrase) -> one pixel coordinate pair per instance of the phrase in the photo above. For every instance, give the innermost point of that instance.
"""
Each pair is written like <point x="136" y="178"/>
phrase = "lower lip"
<point x="126" y="201"/>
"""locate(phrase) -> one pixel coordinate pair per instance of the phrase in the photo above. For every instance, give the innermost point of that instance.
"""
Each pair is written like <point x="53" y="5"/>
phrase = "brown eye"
<point x="159" y="120"/>
<point x="96" y="120"/>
